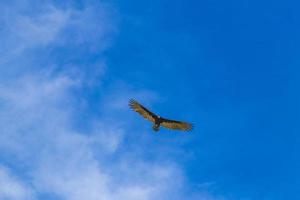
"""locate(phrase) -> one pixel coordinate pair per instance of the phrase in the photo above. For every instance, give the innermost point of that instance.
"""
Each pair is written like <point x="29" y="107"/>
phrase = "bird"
<point x="158" y="120"/>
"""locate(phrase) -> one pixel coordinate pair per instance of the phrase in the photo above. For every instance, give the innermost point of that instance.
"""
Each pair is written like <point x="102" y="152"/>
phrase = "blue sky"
<point x="68" y="69"/>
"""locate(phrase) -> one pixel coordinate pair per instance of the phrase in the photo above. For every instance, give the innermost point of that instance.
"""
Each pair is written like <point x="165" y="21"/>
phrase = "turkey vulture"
<point x="157" y="120"/>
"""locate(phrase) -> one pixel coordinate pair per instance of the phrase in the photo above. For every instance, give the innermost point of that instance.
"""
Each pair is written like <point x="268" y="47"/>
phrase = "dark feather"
<point x="176" y="125"/>
<point x="142" y="110"/>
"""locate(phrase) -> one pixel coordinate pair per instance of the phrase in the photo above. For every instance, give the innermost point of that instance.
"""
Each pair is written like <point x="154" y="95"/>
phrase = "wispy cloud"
<point x="31" y="34"/>
<point x="12" y="187"/>
<point x="42" y="152"/>
<point x="65" y="162"/>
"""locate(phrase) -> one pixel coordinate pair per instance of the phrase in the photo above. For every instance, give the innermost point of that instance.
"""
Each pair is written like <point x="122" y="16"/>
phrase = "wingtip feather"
<point x="190" y="128"/>
<point x="131" y="102"/>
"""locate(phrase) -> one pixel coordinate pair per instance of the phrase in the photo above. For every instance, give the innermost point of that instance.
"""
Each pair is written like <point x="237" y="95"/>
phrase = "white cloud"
<point x="65" y="162"/>
<point x="29" y="30"/>
<point x="11" y="188"/>
<point x="37" y="131"/>
<point x="22" y="31"/>
<point x="106" y="139"/>
<point x="40" y="29"/>
<point x="40" y="106"/>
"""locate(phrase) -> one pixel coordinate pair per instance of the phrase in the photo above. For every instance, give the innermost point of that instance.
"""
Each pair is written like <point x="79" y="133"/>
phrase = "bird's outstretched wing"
<point x="142" y="110"/>
<point x="176" y="125"/>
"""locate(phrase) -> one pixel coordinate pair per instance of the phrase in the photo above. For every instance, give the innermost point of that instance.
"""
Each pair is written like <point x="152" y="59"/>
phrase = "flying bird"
<point x="158" y="120"/>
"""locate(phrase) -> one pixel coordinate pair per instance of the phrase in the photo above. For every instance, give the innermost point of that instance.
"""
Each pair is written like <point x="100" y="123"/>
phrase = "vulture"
<point x="158" y="120"/>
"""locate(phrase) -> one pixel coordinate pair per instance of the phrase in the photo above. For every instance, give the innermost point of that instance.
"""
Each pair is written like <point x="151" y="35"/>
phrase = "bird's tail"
<point x="155" y="127"/>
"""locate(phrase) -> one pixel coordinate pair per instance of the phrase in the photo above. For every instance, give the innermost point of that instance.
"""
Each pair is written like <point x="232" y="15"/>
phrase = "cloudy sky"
<point x="68" y="69"/>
